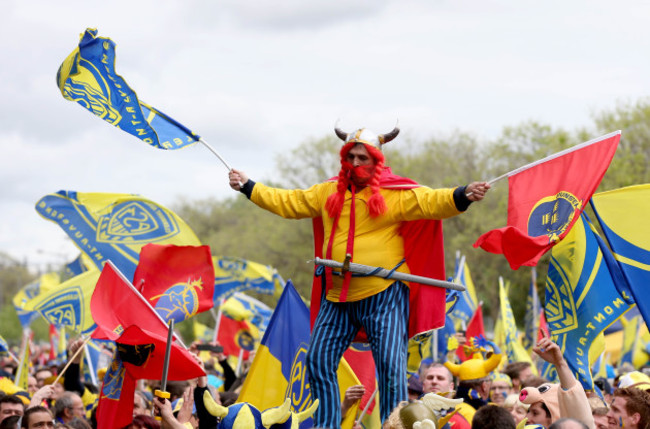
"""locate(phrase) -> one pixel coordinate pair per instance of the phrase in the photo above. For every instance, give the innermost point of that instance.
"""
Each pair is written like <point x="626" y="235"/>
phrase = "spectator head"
<point x="518" y="372"/>
<point x="32" y="385"/>
<point x="141" y="404"/>
<point x="600" y="417"/>
<point x="543" y="400"/>
<point x="501" y="387"/>
<point x="11" y="405"/>
<point x="493" y="416"/>
<point x="68" y="406"/>
<point x="515" y="407"/>
<point x="533" y="381"/>
<point x="37" y="418"/>
<point x="437" y="379"/>
<point x="630" y="408"/>
<point x="11" y="422"/>
<point x="41" y="375"/>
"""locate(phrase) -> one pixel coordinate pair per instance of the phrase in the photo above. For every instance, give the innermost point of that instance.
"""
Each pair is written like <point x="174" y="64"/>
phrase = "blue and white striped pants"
<point x="385" y="319"/>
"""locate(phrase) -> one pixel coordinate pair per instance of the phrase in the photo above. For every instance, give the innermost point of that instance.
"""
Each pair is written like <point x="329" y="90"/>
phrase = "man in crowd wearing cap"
<point x="362" y="212"/>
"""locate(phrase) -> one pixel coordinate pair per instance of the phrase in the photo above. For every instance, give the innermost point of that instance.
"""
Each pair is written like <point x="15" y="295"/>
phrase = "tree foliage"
<point x="234" y="227"/>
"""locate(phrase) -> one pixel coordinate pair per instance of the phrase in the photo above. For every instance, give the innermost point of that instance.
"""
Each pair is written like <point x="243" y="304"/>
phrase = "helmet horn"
<point x="385" y="138"/>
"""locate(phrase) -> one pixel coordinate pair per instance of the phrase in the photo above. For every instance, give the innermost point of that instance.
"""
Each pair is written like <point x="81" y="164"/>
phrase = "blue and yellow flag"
<point x="202" y="332"/>
<point x="4" y="347"/>
<point x="623" y="217"/>
<point x="532" y="314"/>
<point x="80" y="265"/>
<point x="243" y="307"/>
<point x="467" y="302"/>
<point x="238" y="275"/>
<point x="22" y="300"/>
<point x="69" y="303"/>
<point x="22" y="372"/>
<point x="88" y="77"/>
<point x="278" y="370"/>
<point x="581" y="296"/>
<point x="114" y="226"/>
<point x="514" y="351"/>
<point x="631" y="340"/>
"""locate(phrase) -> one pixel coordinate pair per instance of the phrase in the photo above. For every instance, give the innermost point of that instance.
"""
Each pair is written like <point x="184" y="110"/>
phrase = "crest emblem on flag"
<point x="552" y="215"/>
<point x="136" y="222"/>
<point x="179" y="302"/>
<point x="298" y="389"/>
<point x="113" y="380"/>
<point x="561" y="312"/>
<point x="245" y="340"/>
<point x="64" y="308"/>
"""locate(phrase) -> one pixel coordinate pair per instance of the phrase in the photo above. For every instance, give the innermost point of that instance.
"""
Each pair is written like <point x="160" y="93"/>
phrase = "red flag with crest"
<point x="178" y="281"/>
<point x="546" y="198"/>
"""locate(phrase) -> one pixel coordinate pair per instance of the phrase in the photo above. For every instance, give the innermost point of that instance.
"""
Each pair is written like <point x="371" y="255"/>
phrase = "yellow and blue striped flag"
<point x="114" y="226"/>
<point x="69" y="303"/>
<point x="88" y="77"/>
<point x="514" y="351"/>
<point x="467" y="302"/>
<point x="238" y="275"/>
<point x="22" y="300"/>
<point x="4" y="347"/>
<point x="278" y="370"/>
<point x="581" y="296"/>
<point x="623" y="217"/>
<point x="243" y="307"/>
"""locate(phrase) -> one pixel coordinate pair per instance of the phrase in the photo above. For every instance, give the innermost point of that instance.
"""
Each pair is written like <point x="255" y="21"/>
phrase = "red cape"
<point x="424" y="254"/>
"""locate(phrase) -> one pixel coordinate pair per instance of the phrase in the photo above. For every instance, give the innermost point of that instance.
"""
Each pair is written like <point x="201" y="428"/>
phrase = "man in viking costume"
<point x="367" y="215"/>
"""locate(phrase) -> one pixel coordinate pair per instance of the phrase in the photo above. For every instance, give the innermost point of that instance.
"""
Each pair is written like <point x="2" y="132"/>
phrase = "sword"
<point x="161" y="393"/>
<point x="387" y="274"/>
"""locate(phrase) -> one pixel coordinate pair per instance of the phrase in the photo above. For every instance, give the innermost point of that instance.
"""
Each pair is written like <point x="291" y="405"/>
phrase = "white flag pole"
<point x="553" y="156"/>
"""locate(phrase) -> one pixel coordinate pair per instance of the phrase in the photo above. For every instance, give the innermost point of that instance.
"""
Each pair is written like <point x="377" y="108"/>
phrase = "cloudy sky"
<point x="255" y="78"/>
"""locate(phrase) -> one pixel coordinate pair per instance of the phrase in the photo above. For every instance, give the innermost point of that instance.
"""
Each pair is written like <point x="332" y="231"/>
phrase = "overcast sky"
<point x="255" y="78"/>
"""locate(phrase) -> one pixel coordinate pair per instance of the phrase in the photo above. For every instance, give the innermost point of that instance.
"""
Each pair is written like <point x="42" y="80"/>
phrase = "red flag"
<point x="178" y="281"/>
<point x="359" y="357"/>
<point x="124" y="316"/>
<point x="234" y="336"/>
<point x="118" y="384"/>
<point x="546" y="198"/>
<point x="54" y="337"/>
<point x="474" y="329"/>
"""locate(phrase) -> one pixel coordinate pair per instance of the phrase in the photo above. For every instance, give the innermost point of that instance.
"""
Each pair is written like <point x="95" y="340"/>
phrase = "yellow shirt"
<point x="377" y="241"/>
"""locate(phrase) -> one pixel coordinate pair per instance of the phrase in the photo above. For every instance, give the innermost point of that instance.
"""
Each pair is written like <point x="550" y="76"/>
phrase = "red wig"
<point x="376" y="203"/>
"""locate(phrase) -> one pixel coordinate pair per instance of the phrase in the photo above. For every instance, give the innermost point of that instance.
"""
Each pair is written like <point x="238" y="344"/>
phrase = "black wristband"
<point x="247" y="189"/>
<point x="460" y="199"/>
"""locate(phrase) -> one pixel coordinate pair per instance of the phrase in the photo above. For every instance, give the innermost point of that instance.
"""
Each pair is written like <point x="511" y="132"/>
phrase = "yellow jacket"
<point x="376" y="240"/>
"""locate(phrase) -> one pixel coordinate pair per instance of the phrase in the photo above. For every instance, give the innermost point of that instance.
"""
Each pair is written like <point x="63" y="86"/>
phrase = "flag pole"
<point x="365" y="409"/>
<point x="211" y="149"/>
<point x="550" y="157"/>
<point x="70" y="360"/>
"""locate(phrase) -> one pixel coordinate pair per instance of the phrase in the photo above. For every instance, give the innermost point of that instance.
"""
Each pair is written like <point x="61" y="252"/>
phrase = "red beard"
<point x="359" y="175"/>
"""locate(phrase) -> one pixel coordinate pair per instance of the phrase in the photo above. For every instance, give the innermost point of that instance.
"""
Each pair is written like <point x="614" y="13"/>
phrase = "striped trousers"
<point x="385" y="319"/>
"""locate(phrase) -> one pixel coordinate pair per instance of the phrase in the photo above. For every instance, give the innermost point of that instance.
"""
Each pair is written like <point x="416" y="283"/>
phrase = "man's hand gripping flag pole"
<point x="368" y="270"/>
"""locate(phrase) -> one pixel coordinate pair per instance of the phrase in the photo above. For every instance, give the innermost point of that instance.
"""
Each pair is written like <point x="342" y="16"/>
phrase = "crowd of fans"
<point x="507" y="397"/>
